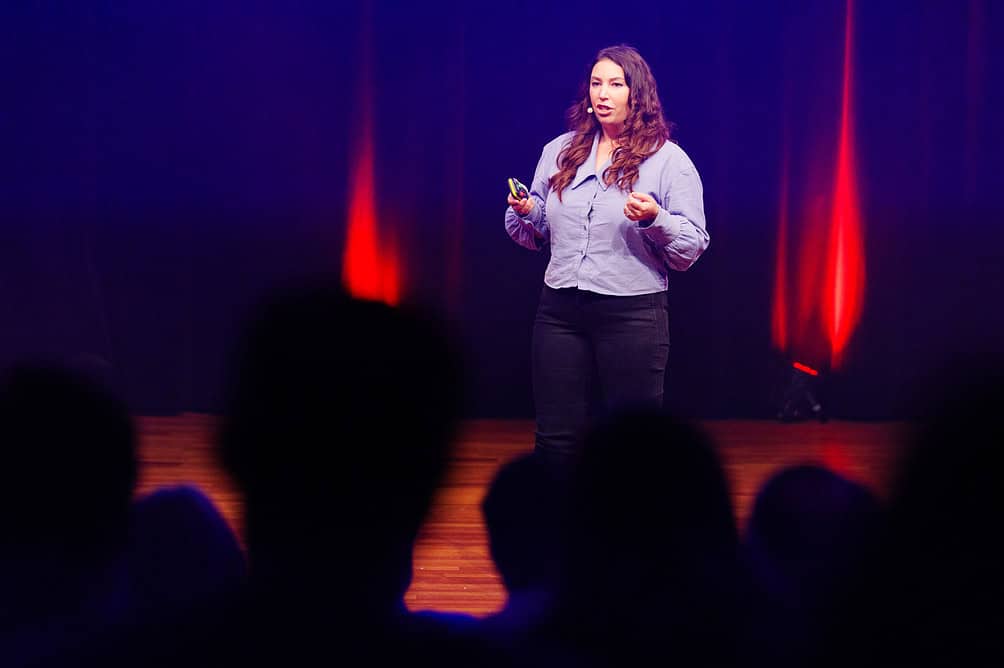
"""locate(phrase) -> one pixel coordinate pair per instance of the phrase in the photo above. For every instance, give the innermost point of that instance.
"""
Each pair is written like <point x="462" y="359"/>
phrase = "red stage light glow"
<point x="843" y="288"/>
<point x="370" y="267"/>
<point x="779" y="319"/>
<point x="837" y="458"/>
<point x="829" y="278"/>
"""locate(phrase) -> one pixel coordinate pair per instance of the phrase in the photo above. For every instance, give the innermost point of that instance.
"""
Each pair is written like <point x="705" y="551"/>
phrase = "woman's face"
<point x="608" y="93"/>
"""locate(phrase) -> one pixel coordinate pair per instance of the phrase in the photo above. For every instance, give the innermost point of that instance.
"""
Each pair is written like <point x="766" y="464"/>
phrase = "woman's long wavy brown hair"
<point x="645" y="129"/>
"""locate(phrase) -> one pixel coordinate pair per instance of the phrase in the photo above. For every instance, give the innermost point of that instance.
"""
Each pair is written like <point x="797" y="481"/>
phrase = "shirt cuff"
<point x="533" y="217"/>
<point x="663" y="229"/>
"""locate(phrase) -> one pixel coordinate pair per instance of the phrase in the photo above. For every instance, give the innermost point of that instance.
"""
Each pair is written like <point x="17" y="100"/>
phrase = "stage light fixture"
<point x="799" y="399"/>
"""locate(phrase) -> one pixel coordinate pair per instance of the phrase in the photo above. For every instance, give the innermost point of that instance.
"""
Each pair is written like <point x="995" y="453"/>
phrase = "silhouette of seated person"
<point x="523" y="515"/>
<point x="940" y="585"/>
<point x="182" y="554"/>
<point x="808" y="539"/>
<point x="651" y="563"/>
<point x="337" y="427"/>
<point x="81" y="563"/>
<point x="69" y="470"/>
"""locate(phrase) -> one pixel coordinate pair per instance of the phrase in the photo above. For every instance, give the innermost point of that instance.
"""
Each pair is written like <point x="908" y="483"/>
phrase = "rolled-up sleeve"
<point x="679" y="229"/>
<point x="532" y="231"/>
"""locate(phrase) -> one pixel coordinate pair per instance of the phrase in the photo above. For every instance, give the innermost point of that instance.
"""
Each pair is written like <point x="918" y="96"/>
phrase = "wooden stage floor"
<point x="452" y="567"/>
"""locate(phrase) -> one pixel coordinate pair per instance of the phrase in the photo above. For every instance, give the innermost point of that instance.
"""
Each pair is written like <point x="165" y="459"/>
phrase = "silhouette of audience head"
<point x="523" y="513"/>
<point x="950" y="479"/>
<point x="808" y="530"/>
<point x="942" y="579"/>
<point x="652" y="553"/>
<point x="183" y="553"/>
<point x="808" y="540"/>
<point x="337" y="428"/>
<point x="69" y="454"/>
<point x="69" y="466"/>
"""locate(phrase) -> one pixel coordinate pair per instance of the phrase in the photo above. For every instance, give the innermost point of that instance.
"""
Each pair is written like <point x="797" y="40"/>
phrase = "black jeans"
<point x="581" y="338"/>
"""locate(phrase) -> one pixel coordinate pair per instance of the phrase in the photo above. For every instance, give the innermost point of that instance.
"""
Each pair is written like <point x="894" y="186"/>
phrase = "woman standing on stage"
<point x="619" y="204"/>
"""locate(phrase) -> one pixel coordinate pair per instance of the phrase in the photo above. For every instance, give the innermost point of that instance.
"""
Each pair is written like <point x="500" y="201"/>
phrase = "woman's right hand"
<point x="522" y="207"/>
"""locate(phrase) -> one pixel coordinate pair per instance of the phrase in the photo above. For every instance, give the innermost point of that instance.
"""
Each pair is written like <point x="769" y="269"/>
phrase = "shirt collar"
<point x="588" y="168"/>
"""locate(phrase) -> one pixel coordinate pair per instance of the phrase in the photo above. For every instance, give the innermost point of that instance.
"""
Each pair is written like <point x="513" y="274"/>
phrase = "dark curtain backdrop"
<point x="164" y="164"/>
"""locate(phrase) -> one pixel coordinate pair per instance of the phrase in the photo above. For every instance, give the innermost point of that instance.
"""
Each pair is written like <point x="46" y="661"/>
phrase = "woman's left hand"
<point x="641" y="207"/>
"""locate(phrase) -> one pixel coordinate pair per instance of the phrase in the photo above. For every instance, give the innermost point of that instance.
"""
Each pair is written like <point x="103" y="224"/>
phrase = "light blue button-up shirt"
<point x="593" y="244"/>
